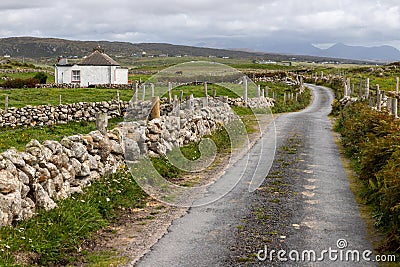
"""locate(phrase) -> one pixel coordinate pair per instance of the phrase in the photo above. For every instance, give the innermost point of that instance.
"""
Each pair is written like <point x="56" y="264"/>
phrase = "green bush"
<point x="372" y="140"/>
<point x="41" y="76"/>
<point x="21" y="83"/>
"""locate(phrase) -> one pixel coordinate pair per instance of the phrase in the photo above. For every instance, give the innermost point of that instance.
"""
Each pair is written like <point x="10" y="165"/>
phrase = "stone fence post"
<point x="245" y="90"/>
<point x="205" y="103"/>
<point x="102" y="122"/>
<point x="143" y="92"/>
<point x="367" y="88"/>
<point x="379" y="98"/>
<point x="135" y="92"/>
<point x="394" y="107"/>
<point x="6" y="104"/>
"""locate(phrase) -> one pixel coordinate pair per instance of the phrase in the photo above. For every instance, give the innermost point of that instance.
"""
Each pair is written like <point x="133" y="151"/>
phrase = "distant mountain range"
<point x="32" y="47"/>
<point x="339" y="50"/>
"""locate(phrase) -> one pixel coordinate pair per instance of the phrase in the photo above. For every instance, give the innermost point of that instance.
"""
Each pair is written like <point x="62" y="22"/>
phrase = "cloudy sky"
<point x="255" y="24"/>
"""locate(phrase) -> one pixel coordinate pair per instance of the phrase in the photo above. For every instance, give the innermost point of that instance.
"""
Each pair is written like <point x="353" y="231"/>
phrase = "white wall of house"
<point x="121" y="76"/>
<point x="92" y="75"/>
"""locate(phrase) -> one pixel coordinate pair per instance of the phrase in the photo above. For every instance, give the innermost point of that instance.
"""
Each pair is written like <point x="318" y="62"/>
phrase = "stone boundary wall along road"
<point x="49" y="171"/>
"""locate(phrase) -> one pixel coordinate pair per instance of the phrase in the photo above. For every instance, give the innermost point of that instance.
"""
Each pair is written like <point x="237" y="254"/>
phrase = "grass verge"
<point x="55" y="237"/>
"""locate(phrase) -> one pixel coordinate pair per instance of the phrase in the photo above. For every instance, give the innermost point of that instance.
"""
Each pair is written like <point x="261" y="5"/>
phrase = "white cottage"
<point x="97" y="68"/>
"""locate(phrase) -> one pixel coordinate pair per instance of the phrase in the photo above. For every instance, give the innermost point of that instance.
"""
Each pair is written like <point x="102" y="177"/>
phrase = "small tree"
<point x="41" y="76"/>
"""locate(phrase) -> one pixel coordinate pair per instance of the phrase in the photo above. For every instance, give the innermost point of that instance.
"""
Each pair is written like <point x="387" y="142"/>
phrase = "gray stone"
<point x="50" y="188"/>
<point x="116" y="147"/>
<point x="11" y="207"/>
<point x="25" y="191"/>
<point x="84" y="170"/>
<point x="94" y="175"/>
<point x="93" y="162"/>
<point x="60" y="160"/>
<point x="23" y="177"/>
<point x="30" y="171"/>
<point x="28" y="158"/>
<point x="64" y="193"/>
<point x="42" y="175"/>
<point x="80" y="151"/>
<point x="8" y="182"/>
<point x="76" y="165"/>
<point x="11" y="167"/>
<point x="54" y="146"/>
<point x="58" y="182"/>
<point x="14" y="157"/>
<point x="42" y="199"/>
<point x="132" y="150"/>
<point x="66" y="142"/>
<point x="97" y="136"/>
<point x="52" y="169"/>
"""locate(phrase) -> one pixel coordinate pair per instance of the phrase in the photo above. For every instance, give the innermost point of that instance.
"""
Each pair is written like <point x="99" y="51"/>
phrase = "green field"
<point x="51" y="96"/>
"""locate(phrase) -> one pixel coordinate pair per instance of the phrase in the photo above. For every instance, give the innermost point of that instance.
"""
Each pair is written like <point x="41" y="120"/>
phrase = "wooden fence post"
<point x="155" y="107"/>
<point x="169" y="92"/>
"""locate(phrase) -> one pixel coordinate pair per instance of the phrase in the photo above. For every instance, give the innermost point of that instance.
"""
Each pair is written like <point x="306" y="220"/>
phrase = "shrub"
<point x="372" y="140"/>
<point x="21" y="83"/>
<point x="41" y="76"/>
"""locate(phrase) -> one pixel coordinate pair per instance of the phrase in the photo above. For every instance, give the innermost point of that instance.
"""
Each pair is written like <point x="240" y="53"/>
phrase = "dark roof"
<point x="98" y="58"/>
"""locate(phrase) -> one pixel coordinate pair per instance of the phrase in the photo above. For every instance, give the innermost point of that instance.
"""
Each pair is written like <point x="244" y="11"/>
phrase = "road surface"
<point x="325" y="213"/>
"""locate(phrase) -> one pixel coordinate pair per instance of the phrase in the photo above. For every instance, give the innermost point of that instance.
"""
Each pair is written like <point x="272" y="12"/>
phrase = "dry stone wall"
<point x="49" y="171"/>
<point x="50" y="115"/>
<point x="61" y="114"/>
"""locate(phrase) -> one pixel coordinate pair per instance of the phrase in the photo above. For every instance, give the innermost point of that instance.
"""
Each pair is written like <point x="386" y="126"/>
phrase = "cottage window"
<point x="76" y="76"/>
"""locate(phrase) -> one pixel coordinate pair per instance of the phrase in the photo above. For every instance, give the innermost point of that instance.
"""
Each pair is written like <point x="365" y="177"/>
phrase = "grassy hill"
<point x="35" y="48"/>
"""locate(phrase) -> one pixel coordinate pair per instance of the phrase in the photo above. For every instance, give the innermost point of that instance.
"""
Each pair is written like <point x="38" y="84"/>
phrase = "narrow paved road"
<point x="327" y="210"/>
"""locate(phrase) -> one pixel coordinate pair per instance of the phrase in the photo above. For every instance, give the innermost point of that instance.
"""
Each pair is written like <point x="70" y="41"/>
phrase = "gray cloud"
<point x="259" y="24"/>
